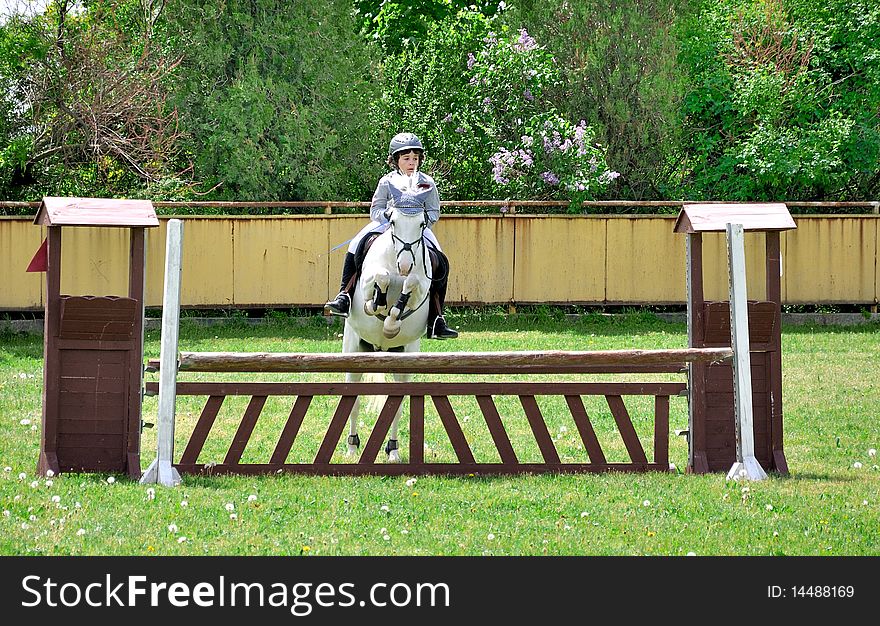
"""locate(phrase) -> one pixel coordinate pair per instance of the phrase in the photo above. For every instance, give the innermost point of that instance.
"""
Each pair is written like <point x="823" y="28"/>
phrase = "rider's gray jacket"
<point x="408" y="193"/>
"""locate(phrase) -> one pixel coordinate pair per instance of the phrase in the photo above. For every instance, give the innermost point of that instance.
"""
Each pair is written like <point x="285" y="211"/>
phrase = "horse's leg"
<point x="392" y="447"/>
<point x="351" y="343"/>
<point x="391" y="326"/>
<point x="376" y="293"/>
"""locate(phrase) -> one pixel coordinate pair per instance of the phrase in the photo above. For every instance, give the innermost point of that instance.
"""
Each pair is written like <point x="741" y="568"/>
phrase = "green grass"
<point x="826" y="507"/>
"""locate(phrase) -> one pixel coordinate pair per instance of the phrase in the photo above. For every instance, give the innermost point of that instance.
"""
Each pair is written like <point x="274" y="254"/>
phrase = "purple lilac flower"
<point x="527" y="94"/>
<point x="550" y="178"/>
<point x="525" y="42"/>
<point x="487" y="101"/>
<point x="527" y="140"/>
<point x="448" y="118"/>
<point x="459" y="130"/>
<point x="526" y="158"/>
<point x="608" y="175"/>
<point x="471" y="61"/>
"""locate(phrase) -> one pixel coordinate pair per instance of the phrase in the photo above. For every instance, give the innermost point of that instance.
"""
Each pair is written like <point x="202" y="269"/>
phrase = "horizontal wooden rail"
<point x="452" y="363"/>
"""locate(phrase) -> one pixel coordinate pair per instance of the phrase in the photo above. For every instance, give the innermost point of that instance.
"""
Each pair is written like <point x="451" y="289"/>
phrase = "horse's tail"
<point x="374" y="404"/>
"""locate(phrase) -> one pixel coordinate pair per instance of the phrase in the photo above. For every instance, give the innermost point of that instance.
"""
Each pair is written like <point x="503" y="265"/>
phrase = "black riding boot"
<point x="437" y="328"/>
<point x="341" y="305"/>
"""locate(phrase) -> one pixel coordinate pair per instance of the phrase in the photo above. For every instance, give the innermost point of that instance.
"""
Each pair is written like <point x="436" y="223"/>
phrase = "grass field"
<point x="829" y="505"/>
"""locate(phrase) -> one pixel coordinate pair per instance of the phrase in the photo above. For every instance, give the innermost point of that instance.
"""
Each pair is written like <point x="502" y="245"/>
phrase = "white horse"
<point x="397" y="263"/>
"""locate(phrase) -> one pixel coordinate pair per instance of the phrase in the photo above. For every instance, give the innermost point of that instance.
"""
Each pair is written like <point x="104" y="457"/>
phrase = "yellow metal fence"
<point x="283" y="261"/>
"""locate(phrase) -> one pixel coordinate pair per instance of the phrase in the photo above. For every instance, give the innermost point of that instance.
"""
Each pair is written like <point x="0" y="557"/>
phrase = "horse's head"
<point x="407" y="229"/>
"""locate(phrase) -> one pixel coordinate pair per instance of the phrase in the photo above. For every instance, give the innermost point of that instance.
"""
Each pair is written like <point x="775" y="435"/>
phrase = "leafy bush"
<point x="775" y="111"/>
<point x="476" y="97"/>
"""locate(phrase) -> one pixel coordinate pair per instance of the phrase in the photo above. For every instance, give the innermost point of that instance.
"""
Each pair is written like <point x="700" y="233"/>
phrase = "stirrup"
<point x="339" y="306"/>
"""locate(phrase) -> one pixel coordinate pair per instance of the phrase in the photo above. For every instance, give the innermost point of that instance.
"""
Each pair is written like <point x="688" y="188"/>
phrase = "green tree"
<point x="782" y="98"/>
<point x="273" y="96"/>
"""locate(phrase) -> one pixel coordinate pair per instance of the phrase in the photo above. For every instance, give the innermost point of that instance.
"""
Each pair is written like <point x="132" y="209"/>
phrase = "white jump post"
<point x="746" y="465"/>
<point x="161" y="470"/>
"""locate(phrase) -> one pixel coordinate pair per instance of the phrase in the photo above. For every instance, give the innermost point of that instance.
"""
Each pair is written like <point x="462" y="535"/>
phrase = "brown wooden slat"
<point x="539" y="429"/>
<point x="90" y="440"/>
<point x="383" y="423"/>
<point x="496" y="429"/>
<point x="439" y="362"/>
<point x="429" y="388"/>
<point x="585" y="428"/>
<point x="416" y="430"/>
<point x="94" y="357"/>
<point x="115" y="371"/>
<point x="291" y="428"/>
<point x="627" y="431"/>
<point x="245" y="429"/>
<point x="200" y="432"/>
<point x="100" y="402"/>
<point x="91" y="426"/>
<point x="456" y="435"/>
<point x="331" y="439"/>
<point x="93" y="385"/>
<point x="661" y="429"/>
<point x="409" y="469"/>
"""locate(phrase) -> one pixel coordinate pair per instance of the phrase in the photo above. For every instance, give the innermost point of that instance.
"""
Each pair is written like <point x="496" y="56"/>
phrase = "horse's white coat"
<point x="394" y="270"/>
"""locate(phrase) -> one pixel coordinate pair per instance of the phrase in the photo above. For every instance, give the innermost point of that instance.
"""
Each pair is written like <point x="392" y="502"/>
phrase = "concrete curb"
<point x="797" y="319"/>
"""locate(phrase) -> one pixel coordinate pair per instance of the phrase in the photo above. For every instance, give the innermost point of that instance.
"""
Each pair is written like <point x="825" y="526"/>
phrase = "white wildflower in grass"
<point x="872" y="453"/>
<point x="386" y="537"/>
<point x="49" y="473"/>
<point x="16" y="498"/>
<point x="25" y="422"/>
<point x="646" y="503"/>
<point x="692" y="554"/>
<point x="49" y="483"/>
<point x="22" y="476"/>
<point x="110" y="480"/>
<point x="56" y="499"/>
<point x="411" y="482"/>
<point x="184" y="504"/>
<point x="34" y="484"/>
<point x="151" y="494"/>
<point x="24" y="526"/>
<point x="33" y="518"/>
<point x="745" y="490"/>
<point x="7" y="469"/>
<point x="22" y="375"/>
<point x="252" y="498"/>
<point x="857" y="465"/>
<point x="77" y="505"/>
<point x="233" y="516"/>
<point x="172" y="528"/>
<point x="384" y="508"/>
<point x="6" y="513"/>
<point x="181" y="539"/>
<point x="230" y="506"/>
<point x="383" y="530"/>
<point x="490" y="536"/>
<point x="81" y="532"/>
<point x="775" y="533"/>
<point x="566" y="527"/>
<point x="584" y="514"/>
<point x="402" y="532"/>
<point x="769" y="507"/>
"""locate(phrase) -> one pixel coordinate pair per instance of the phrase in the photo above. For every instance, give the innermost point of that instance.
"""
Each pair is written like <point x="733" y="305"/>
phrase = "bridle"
<point x="407" y="246"/>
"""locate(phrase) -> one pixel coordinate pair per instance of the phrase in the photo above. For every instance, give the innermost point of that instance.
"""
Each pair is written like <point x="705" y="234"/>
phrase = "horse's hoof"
<point x="352" y="451"/>
<point x="393" y="457"/>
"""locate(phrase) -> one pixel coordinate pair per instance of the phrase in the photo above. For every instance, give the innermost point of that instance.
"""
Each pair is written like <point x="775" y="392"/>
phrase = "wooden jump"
<point x="535" y="362"/>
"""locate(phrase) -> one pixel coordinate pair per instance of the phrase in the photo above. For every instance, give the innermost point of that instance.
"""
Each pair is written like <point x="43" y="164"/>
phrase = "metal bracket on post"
<point x="161" y="470"/>
<point x="746" y="465"/>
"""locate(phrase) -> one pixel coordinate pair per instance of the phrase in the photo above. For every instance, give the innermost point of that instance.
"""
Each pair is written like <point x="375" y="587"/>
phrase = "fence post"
<point x="161" y="469"/>
<point x="746" y="464"/>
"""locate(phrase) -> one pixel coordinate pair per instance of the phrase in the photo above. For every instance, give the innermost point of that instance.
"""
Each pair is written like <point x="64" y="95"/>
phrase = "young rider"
<point x="404" y="187"/>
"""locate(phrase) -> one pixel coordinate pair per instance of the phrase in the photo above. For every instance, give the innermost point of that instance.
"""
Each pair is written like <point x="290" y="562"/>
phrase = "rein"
<point x="407" y="246"/>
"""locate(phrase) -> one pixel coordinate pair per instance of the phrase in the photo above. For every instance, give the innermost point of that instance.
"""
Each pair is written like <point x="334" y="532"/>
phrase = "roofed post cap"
<point x="96" y="212"/>
<point x="714" y="217"/>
